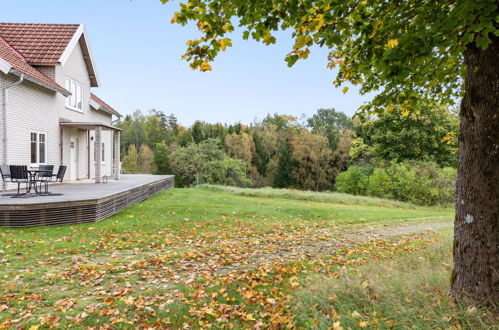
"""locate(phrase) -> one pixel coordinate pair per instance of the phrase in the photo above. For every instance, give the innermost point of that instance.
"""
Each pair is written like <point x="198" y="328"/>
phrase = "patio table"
<point x="32" y="181"/>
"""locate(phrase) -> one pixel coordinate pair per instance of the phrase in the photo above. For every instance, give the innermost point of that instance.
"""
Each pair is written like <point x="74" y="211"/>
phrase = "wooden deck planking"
<point x="81" y="202"/>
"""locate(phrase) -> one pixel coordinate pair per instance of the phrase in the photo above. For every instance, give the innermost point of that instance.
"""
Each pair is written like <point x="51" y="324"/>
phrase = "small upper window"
<point x="75" y="100"/>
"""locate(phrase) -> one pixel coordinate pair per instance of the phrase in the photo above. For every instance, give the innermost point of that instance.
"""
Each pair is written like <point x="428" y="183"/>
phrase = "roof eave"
<point x="87" y="54"/>
<point x="5" y="66"/>
<point x="40" y="83"/>
<point x="94" y="104"/>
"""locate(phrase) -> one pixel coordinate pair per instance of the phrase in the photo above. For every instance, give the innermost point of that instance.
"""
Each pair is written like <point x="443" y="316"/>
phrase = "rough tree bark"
<point x="475" y="277"/>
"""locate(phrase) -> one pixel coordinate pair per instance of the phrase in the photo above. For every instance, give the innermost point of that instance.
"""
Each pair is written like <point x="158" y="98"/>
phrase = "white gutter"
<point x="40" y="83"/>
<point x="5" y="115"/>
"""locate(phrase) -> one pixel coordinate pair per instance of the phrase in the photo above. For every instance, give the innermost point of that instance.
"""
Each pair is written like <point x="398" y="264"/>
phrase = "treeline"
<point x="284" y="152"/>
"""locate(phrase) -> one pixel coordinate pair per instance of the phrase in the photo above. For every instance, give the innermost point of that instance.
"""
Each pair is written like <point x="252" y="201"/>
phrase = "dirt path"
<point x="408" y="229"/>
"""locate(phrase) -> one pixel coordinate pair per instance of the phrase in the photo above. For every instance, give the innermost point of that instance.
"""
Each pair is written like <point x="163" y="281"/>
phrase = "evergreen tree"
<point x="284" y="176"/>
<point x="161" y="160"/>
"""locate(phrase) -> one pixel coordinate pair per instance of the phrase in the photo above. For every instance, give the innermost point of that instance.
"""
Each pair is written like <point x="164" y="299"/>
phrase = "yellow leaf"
<point x="365" y="284"/>
<point x="224" y="43"/>
<point x="320" y="22"/>
<point x="174" y="18"/>
<point x="250" y="317"/>
<point x="200" y="25"/>
<point x="205" y="67"/>
<point x="267" y="38"/>
<point x="129" y="300"/>
<point x="337" y="326"/>
<point x="34" y="327"/>
<point x="355" y="314"/>
<point x="390" y="108"/>
<point x="405" y="112"/>
<point x="345" y="89"/>
<point x="301" y="41"/>
<point x="363" y="324"/>
<point x="392" y="43"/>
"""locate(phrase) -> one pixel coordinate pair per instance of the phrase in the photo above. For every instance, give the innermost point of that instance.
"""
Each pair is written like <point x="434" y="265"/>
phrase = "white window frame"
<point x="68" y="84"/>
<point x="38" y="133"/>
<point x="103" y="152"/>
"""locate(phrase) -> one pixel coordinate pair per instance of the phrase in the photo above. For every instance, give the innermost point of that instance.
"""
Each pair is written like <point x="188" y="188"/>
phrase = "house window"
<point x="75" y="100"/>
<point x="103" y="157"/>
<point x="38" y="148"/>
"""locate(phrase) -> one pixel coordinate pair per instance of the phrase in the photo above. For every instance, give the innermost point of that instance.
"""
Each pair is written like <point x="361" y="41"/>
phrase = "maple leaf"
<point x="337" y="326"/>
<point x="129" y="300"/>
<point x="205" y="66"/>
<point x="392" y="43"/>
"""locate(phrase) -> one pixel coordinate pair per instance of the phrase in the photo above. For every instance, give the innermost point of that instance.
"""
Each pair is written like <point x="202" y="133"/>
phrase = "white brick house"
<point x="48" y="114"/>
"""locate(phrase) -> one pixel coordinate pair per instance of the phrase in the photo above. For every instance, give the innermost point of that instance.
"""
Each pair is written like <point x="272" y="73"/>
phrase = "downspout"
<point x="5" y="119"/>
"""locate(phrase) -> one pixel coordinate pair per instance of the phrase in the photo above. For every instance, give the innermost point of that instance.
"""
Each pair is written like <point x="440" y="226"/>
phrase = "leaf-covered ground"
<point x="197" y="258"/>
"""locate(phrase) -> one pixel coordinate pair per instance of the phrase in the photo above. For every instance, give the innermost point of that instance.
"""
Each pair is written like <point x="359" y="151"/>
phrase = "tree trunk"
<point x="475" y="278"/>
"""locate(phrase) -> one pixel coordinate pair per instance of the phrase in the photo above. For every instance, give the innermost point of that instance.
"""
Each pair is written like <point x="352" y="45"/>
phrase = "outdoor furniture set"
<point x="33" y="179"/>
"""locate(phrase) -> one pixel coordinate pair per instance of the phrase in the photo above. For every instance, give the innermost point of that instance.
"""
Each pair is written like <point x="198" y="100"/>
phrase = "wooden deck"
<point x="81" y="202"/>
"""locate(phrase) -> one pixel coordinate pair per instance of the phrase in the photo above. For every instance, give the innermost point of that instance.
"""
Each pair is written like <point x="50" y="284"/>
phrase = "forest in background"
<point x="400" y="155"/>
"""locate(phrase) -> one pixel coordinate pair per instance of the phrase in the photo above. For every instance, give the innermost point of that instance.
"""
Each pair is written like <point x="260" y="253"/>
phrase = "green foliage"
<point x="235" y="173"/>
<point x="284" y="175"/>
<point x="146" y="160"/>
<point x="329" y="123"/>
<point x="206" y="163"/>
<point x="202" y="131"/>
<point x="133" y="131"/>
<point x="380" y="184"/>
<point x="429" y="135"/>
<point x="131" y="161"/>
<point x="360" y="153"/>
<point x="139" y="162"/>
<point x="421" y="183"/>
<point x="314" y="161"/>
<point x="190" y="162"/>
<point x="279" y="152"/>
<point x="156" y="127"/>
<point x="353" y="181"/>
<point x="161" y="159"/>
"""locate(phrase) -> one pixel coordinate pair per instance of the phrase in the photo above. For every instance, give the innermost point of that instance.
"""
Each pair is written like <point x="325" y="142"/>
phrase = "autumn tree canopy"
<point x="404" y="51"/>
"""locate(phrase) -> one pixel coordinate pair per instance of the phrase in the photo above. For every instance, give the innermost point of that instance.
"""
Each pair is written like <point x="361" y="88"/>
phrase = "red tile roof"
<point x="19" y="63"/>
<point x="39" y="44"/>
<point x="106" y="107"/>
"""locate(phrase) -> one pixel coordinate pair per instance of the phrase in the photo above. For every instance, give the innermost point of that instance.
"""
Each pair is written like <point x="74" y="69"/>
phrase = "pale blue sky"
<point x="137" y="53"/>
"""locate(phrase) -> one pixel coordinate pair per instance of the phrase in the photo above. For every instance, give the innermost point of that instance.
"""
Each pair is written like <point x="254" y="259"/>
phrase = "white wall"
<point x="33" y="108"/>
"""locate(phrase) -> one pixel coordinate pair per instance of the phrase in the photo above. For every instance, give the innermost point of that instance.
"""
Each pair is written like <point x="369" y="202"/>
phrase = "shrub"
<point x="423" y="183"/>
<point x="380" y="184"/>
<point x="353" y="181"/>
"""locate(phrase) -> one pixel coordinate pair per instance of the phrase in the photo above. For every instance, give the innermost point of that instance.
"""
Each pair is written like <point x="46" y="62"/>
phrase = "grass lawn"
<point x="216" y="257"/>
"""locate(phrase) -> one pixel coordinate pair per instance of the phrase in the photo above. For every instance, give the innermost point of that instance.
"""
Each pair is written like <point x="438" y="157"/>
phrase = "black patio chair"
<point x="5" y="172"/>
<point x="60" y="174"/>
<point x="45" y="176"/>
<point x="19" y="174"/>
